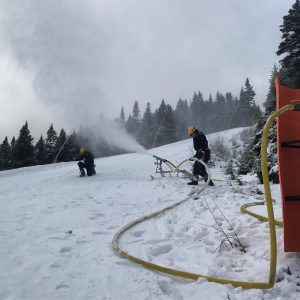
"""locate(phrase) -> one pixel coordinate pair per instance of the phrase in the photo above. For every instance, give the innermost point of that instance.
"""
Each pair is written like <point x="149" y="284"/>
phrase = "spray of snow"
<point x="65" y="44"/>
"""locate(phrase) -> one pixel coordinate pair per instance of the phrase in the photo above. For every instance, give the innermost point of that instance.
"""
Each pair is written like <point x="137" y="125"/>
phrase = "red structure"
<point x="288" y="148"/>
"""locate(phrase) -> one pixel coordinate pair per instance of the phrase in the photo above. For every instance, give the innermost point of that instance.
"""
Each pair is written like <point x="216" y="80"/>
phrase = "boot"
<point x="210" y="182"/>
<point x="82" y="174"/>
<point x="193" y="182"/>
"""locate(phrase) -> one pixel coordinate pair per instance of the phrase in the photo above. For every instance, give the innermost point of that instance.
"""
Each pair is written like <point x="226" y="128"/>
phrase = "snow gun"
<point x="172" y="168"/>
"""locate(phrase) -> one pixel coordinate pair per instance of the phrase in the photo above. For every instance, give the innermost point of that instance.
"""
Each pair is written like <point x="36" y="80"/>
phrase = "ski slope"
<point x="56" y="231"/>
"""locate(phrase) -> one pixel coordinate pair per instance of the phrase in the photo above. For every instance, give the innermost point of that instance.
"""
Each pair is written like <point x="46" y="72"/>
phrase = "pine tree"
<point x="196" y="110"/>
<point x="24" y="148"/>
<point x="130" y="125"/>
<point x="210" y="116"/>
<point x="290" y="46"/>
<point x="270" y="103"/>
<point x="5" y="155"/>
<point x="73" y="146"/>
<point x="169" y="128"/>
<point x="40" y="151"/>
<point x="270" y="106"/>
<point x="182" y="119"/>
<point x="13" y="147"/>
<point x="254" y="111"/>
<point x="247" y="112"/>
<point x="61" y="149"/>
<point x="250" y="159"/>
<point x="159" y="118"/>
<point x="219" y="112"/>
<point x="136" y="119"/>
<point x="147" y="131"/>
<point x="51" y="143"/>
<point x="231" y="106"/>
<point x="122" y="116"/>
<point x="165" y="127"/>
<point x="250" y="94"/>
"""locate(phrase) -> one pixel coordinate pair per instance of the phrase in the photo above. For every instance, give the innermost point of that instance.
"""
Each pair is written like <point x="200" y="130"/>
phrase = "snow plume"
<point x="65" y="44"/>
<point x="113" y="135"/>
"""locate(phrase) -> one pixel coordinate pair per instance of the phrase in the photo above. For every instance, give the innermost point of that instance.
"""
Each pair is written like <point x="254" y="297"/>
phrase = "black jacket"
<point x="88" y="158"/>
<point x="200" y="143"/>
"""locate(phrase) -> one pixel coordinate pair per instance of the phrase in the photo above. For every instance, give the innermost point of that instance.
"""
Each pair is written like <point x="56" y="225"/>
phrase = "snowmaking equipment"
<point x="172" y="168"/>
<point x="288" y="128"/>
<point x="288" y="149"/>
<point x="288" y="100"/>
<point x="193" y="276"/>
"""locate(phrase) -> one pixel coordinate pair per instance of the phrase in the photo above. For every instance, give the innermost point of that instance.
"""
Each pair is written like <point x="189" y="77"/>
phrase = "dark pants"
<point x="198" y="168"/>
<point x="90" y="170"/>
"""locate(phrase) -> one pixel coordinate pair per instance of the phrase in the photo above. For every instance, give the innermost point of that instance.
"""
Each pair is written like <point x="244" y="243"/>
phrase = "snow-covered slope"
<point x="56" y="231"/>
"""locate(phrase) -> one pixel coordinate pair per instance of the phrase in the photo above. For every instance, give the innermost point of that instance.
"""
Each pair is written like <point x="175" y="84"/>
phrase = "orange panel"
<point x="288" y="129"/>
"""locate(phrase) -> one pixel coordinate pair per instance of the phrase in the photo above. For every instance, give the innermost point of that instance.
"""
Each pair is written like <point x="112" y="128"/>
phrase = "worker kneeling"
<point x="86" y="162"/>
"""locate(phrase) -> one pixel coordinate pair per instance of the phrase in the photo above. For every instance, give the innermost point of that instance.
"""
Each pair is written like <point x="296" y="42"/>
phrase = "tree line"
<point x="21" y="152"/>
<point x="167" y="125"/>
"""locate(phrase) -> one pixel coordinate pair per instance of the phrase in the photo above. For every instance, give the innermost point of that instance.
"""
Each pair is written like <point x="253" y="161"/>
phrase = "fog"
<point x="70" y="61"/>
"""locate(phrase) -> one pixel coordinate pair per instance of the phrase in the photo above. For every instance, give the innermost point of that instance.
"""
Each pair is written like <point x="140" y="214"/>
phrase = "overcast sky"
<point x="68" y="61"/>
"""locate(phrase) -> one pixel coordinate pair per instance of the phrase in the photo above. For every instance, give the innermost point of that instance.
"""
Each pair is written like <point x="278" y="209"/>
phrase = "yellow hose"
<point x="271" y="220"/>
<point x="265" y="173"/>
<point x="244" y="209"/>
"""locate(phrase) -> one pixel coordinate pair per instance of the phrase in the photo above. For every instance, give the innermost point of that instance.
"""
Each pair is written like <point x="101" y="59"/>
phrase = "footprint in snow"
<point x="100" y="232"/>
<point x="161" y="250"/>
<point x="138" y="233"/>
<point x="169" y="290"/>
<point x="82" y="242"/>
<point x="62" y="286"/>
<point x="55" y="266"/>
<point x="65" y="250"/>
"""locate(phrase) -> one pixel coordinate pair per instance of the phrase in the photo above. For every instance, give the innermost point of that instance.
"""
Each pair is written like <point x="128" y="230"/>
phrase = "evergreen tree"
<point x="40" y="151"/>
<point x="51" y="143"/>
<point x="136" y="119"/>
<point x="254" y="111"/>
<point x="210" y="116"/>
<point x="61" y="149"/>
<point x="159" y="118"/>
<point x="165" y="128"/>
<point x="122" y="116"/>
<point x="270" y="106"/>
<point x="5" y="155"/>
<point x="169" y="128"/>
<point x="73" y="146"/>
<point x="290" y="46"/>
<point x="270" y="103"/>
<point x="182" y="119"/>
<point x="219" y="112"/>
<point x="147" y="131"/>
<point x="250" y="159"/>
<point x="24" y="148"/>
<point x="197" y="110"/>
<point x="250" y="94"/>
<point x="130" y="125"/>
<point x="231" y="106"/>
<point x="13" y="147"/>
<point x="247" y="112"/>
<point x="246" y="161"/>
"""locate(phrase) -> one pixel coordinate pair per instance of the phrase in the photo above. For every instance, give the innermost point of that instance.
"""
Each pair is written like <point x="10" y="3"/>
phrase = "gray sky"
<point x="68" y="61"/>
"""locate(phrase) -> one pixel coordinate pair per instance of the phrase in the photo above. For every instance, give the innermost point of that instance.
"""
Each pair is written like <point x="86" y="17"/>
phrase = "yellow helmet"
<point x="191" y="130"/>
<point x="82" y="150"/>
